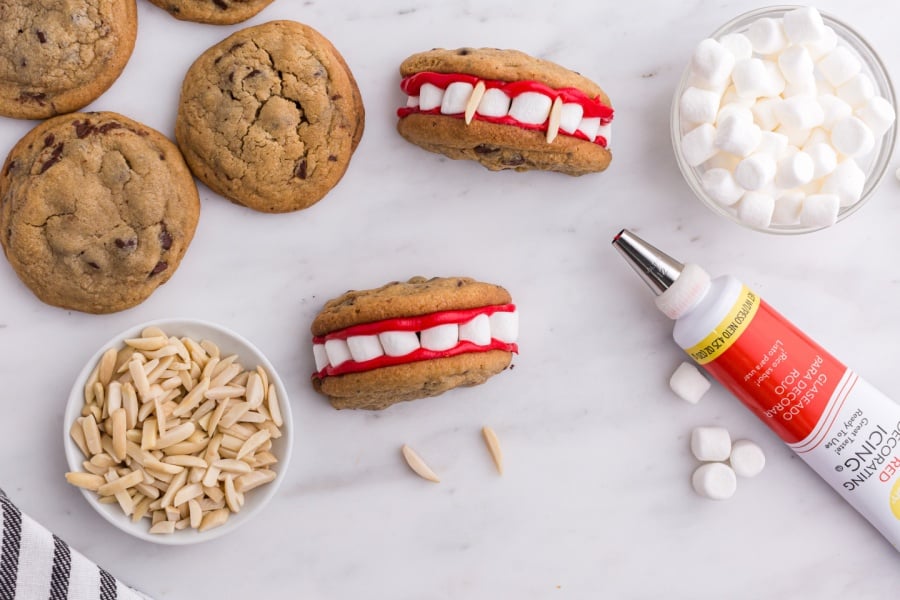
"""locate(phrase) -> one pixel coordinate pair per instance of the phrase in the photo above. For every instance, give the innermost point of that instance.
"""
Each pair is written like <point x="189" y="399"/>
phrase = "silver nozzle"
<point x="655" y="267"/>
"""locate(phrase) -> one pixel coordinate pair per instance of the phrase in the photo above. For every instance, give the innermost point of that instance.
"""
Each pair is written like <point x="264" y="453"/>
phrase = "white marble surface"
<point x="596" y="500"/>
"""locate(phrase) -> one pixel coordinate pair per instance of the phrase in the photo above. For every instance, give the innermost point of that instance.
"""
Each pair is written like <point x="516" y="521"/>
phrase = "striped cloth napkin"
<point x="37" y="565"/>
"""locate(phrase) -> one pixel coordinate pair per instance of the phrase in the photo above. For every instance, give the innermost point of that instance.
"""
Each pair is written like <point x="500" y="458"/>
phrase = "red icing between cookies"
<point x="592" y="107"/>
<point x="413" y="324"/>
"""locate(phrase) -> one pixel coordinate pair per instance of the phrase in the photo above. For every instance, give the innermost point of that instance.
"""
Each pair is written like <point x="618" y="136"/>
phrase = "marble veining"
<point x="596" y="499"/>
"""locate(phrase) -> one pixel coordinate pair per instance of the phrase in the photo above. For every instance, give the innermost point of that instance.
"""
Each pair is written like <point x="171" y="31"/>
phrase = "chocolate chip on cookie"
<point x="270" y="117"/>
<point x="56" y="57"/>
<point x="215" y="12"/>
<point x="411" y="340"/>
<point x="506" y="110"/>
<point x="96" y="211"/>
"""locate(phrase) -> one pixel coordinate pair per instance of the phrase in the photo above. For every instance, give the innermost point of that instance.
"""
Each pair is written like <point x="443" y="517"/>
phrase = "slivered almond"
<point x="263" y="376"/>
<point x="225" y="391"/>
<point x="130" y="404"/>
<point x="91" y="435"/>
<point x="418" y="465"/>
<point x="163" y="527"/>
<point x="113" y="397"/>
<point x="553" y="122"/>
<point x="225" y="376"/>
<point x="141" y="385"/>
<point x="493" y="444"/>
<point x="152" y="331"/>
<point x="253" y="443"/>
<point x="195" y="512"/>
<point x="87" y="481"/>
<point x="175" y="435"/>
<point x="253" y="479"/>
<point x="121" y="484"/>
<point x="119" y="441"/>
<point x="235" y="412"/>
<point x="186" y="461"/>
<point x="232" y="465"/>
<point x="141" y="510"/>
<point x="214" y="518"/>
<point x="188" y="492"/>
<point x="149" y="437"/>
<point x="255" y="391"/>
<point x="148" y="343"/>
<point x="107" y="366"/>
<point x="193" y="398"/>
<point x="274" y="408"/>
<point x="474" y="101"/>
<point x="76" y="432"/>
<point x="210" y="348"/>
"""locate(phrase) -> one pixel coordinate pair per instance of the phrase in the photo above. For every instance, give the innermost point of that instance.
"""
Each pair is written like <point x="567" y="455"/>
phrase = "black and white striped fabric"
<point x="37" y="565"/>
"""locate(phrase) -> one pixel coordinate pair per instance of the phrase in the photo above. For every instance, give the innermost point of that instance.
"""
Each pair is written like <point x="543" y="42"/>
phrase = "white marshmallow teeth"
<point x="780" y="121"/>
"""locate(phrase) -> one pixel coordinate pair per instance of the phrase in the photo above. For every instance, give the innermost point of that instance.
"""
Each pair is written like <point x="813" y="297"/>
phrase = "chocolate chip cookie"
<point x="96" y="211"/>
<point x="56" y="57"/>
<point x="270" y="117"/>
<point x="506" y="110"/>
<point x="215" y="12"/>
<point x="411" y="340"/>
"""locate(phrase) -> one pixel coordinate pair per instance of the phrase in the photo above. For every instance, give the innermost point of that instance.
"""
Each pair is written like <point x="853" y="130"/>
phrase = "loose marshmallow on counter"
<point x="721" y="186"/>
<point x="530" y="107"/>
<point x="477" y="331"/>
<point x="430" y="96"/>
<point x="755" y="172"/>
<point x="399" y="343"/>
<point x="698" y="105"/>
<point x="440" y="337"/>
<point x="756" y="209"/>
<point x="787" y="207"/>
<point x="766" y="36"/>
<point x="710" y="443"/>
<point x="712" y="63"/>
<point x="699" y="144"/>
<point x="857" y="90"/>
<point x="495" y="103"/>
<point x="877" y="114"/>
<point x="846" y="182"/>
<point x="747" y="459"/>
<point x="364" y="347"/>
<point x="839" y="65"/>
<point x="688" y="383"/>
<point x="715" y="481"/>
<point x="338" y="352"/>
<point x="794" y="170"/>
<point x="820" y="210"/>
<point x="851" y="136"/>
<point x="803" y="25"/>
<point x="456" y="96"/>
<point x="737" y="135"/>
<point x="505" y="326"/>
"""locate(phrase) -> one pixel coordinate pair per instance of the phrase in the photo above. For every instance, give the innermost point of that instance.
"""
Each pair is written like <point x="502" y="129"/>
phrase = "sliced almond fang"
<point x="474" y="101"/>
<point x="493" y="444"/>
<point x="418" y="465"/>
<point x="553" y="122"/>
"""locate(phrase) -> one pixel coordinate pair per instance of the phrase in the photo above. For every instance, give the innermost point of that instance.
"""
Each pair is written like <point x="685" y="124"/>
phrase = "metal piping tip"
<point x="655" y="267"/>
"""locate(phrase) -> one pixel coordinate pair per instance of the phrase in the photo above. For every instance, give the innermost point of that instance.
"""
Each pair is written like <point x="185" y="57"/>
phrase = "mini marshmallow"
<point x="824" y="45"/>
<point x="430" y="96"/>
<point x="477" y="331"/>
<point x="766" y="36"/>
<point x="589" y="127"/>
<point x="774" y="144"/>
<point x="320" y="356"/>
<point x="834" y="109"/>
<point x="712" y="63"/>
<point x="710" y="443"/>
<point x="776" y="81"/>
<point x="756" y="209"/>
<point x="824" y="158"/>
<point x="747" y="459"/>
<point x="699" y="106"/>
<point x="794" y="170"/>
<point x="412" y="102"/>
<point x="800" y="112"/>
<point x="721" y="186"/>
<point x="787" y="208"/>
<point x="764" y="113"/>
<point x="851" y="136"/>
<point x="698" y="145"/>
<point x="796" y="137"/>
<point x="755" y="172"/>
<point x="751" y="78"/>
<point x="839" y="65"/>
<point x="738" y="109"/>
<point x="817" y="135"/>
<point x="846" y="182"/>
<point x="440" y="337"/>
<point x="723" y="160"/>
<point x="731" y="97"/>
<point x="737" y="135"/>
<point x="738" y="44"/>
<point x="338" y="352"/>
<point x="495" y="103"/>
<point x="505" y="326"/>
<point x="820" y="210"/>
<point x="456" y="96"/>
<point x="570" y="117"/>
<point x="530" y="107"/>
<point x="688" y="383"/>
<point x="877" y="114"/>
<point x="364" y="347"/>
<point x="796" y="64"/>
<point x="605" y="132"/>
<point x="857" y="91"/>
<point x="803" y="25"/>
<point x="805" y="87"/>
<point x="715" y="481"/>
<point x="399" y="343"/>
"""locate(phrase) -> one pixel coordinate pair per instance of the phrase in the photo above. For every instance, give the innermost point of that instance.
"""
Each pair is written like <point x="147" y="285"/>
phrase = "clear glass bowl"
<point x="874" y="165"/>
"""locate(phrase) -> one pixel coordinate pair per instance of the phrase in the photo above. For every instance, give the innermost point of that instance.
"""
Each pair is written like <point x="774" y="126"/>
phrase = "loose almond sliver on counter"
<point x="174" y="432"/>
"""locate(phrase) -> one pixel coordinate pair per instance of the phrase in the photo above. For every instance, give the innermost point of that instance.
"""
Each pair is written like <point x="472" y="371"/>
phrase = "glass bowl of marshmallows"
<point x="784" y="120"/>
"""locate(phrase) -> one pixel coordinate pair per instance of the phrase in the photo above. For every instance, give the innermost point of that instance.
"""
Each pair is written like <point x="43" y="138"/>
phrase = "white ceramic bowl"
<point x="228" y="342"/>
<point x="875" y="164"/>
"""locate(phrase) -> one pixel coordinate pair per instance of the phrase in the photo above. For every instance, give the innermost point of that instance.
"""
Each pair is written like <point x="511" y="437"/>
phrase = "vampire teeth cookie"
<point x="411" y="340"/>
<point x="270" y="117"/>
<point x="96" y="211"/>
<point x="506" y="110"/>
